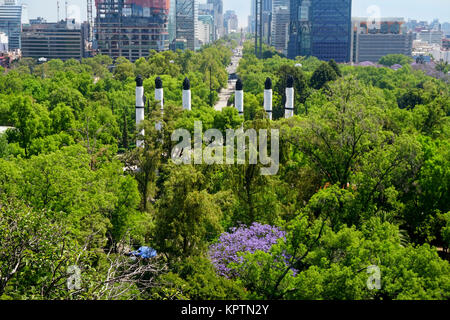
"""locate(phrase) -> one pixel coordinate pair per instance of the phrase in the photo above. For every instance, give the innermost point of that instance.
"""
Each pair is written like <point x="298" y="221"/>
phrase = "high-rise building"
<point x="187" y="22"/>
<point x="280" y="3"/>
<point x="435" y="25"/>
<point x="178" y="44"/>
<point x="431" y="36"/>
<point x="131" y="28"/>
<point x="267" y="26"/>
<point x="230" y="21"/>
<point x="172" y="21"/>
<point x="372" y="40"/>
<point x="251" y="17"/>
<point x="266" y="19"/>
<point x="217" y="9"/>
<point x="61" y="40"/>
<point x="320" y="28"/>
<point x="446" y="29"/>
<point x="206" y="29"/>
<point x="280" y="25"/>
<point x="12" y="16"/>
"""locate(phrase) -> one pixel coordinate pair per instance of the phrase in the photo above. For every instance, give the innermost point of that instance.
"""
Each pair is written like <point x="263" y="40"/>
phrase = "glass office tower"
<point x="217" y="8"/>
<point x="320" y="28"/>
<point x="280" y="25"/>
<point x="300" y="29"/>
<point x="172" y="23"/>
<point x="187" y="22"/>
<point x="11" y="17"/>
<point x="331" y="29"/>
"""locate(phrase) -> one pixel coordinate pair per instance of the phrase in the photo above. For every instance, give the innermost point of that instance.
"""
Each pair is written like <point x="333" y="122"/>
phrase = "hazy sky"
<point x="414" y="9"/>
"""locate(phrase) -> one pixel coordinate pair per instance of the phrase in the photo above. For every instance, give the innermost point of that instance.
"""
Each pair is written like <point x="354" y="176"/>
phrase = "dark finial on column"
<point x="158" y="83"/>
<point x="139" y="81"/>
<point x="290" y="81"/>
<point x="268" y="84"/>
<point x="239" y="85"/>
<point x="186" y="84"/>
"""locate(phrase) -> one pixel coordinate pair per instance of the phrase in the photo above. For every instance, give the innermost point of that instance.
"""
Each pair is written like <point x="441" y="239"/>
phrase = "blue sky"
<point x="414" y="9"/>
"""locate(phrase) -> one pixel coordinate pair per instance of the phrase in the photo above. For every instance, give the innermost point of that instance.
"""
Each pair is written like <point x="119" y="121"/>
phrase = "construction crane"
<point x="57" y="13"/>
<point x="90" y="20"/>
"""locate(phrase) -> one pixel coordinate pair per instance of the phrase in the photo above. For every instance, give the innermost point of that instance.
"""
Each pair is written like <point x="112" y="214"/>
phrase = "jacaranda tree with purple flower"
<point x="231" y="245"/>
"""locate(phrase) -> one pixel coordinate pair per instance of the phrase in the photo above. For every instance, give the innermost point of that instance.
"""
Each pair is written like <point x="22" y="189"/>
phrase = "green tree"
<point x="391" y="59"/>
<point x="97" y="129"/>
<point x="124" y="69"/>
<point x="410" y="99"/>
<point x="443" y="66"/>
<point x="323" y="74"/>
<point x="99" y="65"/>
<point x="335" y="67"/>
<point x="337" y="133"/>
<point x="70" y="97"/>
<point x="228" y="118"/>
<point x="333" y="265"/>
<point x="38" y="257"/>
<point x="446" y="231"/>
<point x="4" y="147"/>
<point x="62" y="118"/>
<point x="30" y="246"/>
<point x="427" y="199"/>
<point x="188" y="216"/>
<point x="26" y="122"/>
<point x="196" y="279"/>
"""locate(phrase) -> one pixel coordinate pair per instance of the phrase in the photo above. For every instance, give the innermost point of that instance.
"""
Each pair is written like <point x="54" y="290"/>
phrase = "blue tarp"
<point x="144" y="252"/>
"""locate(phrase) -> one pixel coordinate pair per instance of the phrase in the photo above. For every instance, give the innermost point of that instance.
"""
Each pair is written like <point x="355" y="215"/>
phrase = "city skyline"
<point x="409" y="9"/>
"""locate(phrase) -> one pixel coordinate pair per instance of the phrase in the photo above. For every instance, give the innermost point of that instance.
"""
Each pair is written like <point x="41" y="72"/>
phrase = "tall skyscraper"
<point x="12" y="15"/>
<point x="206" y="28"/>
<point x="172" y="21"/>
<point x="251" y="17"/>
<point x="130" y="28"/>
<point x="280" y="25"/>
<point x="230" y="21"/>
<point x="320" y="28"/>
<point x="267" y="5"/>
<point x="187" y="22"/>
<point x="217" y="7"/>
<point x="266" y="19"/>
<point x="280" y="3"/>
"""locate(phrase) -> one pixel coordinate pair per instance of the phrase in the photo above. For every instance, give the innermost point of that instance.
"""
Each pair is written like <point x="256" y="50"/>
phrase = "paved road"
<point x="226" y="93"/>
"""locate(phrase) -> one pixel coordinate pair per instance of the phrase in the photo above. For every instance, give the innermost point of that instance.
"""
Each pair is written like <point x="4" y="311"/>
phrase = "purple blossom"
<point x="242" y="239"/>
<point x="367" y="64"/>
<point x="396" y="67"/>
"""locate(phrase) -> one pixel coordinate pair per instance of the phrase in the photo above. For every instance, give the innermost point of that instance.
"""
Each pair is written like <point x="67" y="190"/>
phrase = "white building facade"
<point x="3" y="43"/>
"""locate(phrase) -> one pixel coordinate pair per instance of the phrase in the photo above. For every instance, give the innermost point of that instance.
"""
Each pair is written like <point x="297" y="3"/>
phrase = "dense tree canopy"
<point x="363" y="181"/>
<point x="391" y="59"/>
